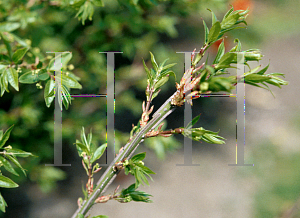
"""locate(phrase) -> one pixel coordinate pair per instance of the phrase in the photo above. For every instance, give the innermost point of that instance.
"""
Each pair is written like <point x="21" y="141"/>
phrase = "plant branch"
<point x="110" y="174"/>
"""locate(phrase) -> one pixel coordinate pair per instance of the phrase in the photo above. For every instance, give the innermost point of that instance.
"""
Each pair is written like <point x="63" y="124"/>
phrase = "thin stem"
<point x="89" y="184"/>
<point x="110" y="174"/>
<point x="149" y="101"/>
<point x="165" y="133"/>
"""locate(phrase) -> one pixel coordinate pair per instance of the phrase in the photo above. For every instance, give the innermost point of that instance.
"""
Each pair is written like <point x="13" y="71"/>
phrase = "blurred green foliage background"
<point x="163" y="27"/>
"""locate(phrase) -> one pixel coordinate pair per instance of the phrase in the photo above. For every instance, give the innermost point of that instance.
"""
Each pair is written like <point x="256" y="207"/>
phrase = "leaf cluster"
<point x="229" y="22"/>
<point x="88" y="150"/>
<point x="68" y="80"/>
<point x="9" y="155"/>
<point x="131" y="194"/>
<point x="212" y="81"/>
<point x="23" y="64"/>
<point x="200" y="133"/>
<point x="157" y="77"/>
<point x="136" y="167"/>
<point x="255" y="77"/>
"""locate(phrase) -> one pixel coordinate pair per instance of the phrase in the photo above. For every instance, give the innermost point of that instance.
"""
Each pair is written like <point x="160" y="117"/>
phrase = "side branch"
<point x="110" y="174"/>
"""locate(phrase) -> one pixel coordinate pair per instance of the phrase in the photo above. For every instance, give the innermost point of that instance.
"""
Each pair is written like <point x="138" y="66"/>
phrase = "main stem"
<point x="109" y="175"/>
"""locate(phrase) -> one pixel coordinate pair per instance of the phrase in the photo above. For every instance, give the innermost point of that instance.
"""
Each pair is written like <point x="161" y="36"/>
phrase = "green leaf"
<point x="70" y="82"/>
<point x="83" y="138"/>
<point x="147" y="71"/>
<point x="138" y="197"/>
<point x="1" y="134"/>
<point x="145" y="169"/>
<point x="19" y="54"/>
<point x="66" y="96"/>
<point x="20" y="41"/>
<point x="214" y="32"/>
<point x="238" y="47"/>
<point x="254" y="55"/>
<point x="230" y="20"/>
<point x="193" y="122"/>
<point x="17" y="152"/>
<point x="166" y="72"/>
<point x="12" y="77"/>
<point x="256" y="78"/>
<point x="138" y="179"/>
<point x="8" y="166"/>
<point x="135" y="194"/>
<point x="4" y="83"/>
<point x="128" y="190"/>
<point x="213" y="139"/>
<point x="198" y="134"/>
<point x="213" y="17"/>
<point x="252" y="71"/>
<point x="161" y="65"/>
<point x="89" y="138"/>
<point x="49" y="88"/>
<point x="43" y="75"/>
<point x="65" y="58"/>
<point x="9" y="26"/>
<point x="144" y="180"/>
<point x="155" y="94"/>
<point x="7" y="182"/>
<point x="15" y="161"/>
<point x="85" y="11"/>
<point x="277" y="81"/>
<point x="80" y="215"/>
<point x="153" y="61"/>
<point x="168" y="66"/>
<point x="229" y="29"/>
<point x="5" y="137"/>
<point x="82" y="148"/>
<point x="161" y="82"/>
<point x="206" y="32"/>
<point x="7" y="43"/>
<point x="228" y="13"/>
<point x="29" y="78"/>
<point x="204" y="86"/>
<point x="2" y="204"/>
<point x="139" y="157"/>
<point x="78" y="148"/>
<point x="217" y="84"/>
<point x="98" y="153"/>
<point x="226" y="60"/>
<point x="98" y="3"/>
<point x="220" y="53"/>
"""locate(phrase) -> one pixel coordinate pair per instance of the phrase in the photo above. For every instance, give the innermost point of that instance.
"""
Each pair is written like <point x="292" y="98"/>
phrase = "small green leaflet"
<point x="214" y="32"/>
<point x="98" y="153"/>
<point x="5" y="137"/>
<point x="19" y="54"/>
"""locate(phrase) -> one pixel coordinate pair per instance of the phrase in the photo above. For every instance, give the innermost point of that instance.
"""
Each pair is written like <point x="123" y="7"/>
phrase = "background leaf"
<point x="19" y="54"/>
